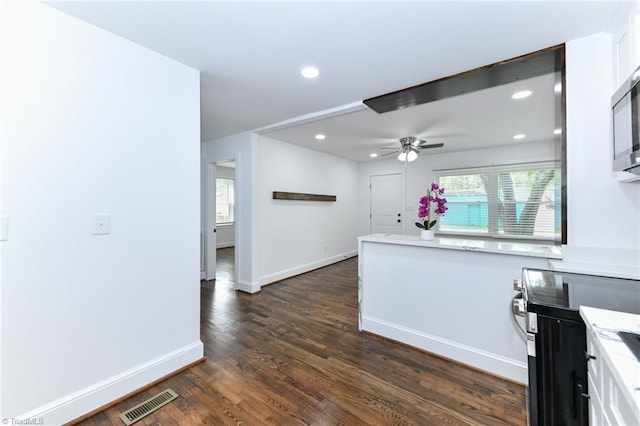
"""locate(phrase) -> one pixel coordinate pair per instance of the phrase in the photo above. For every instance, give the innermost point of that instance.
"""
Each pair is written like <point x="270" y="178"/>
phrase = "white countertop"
<point x="608" y="270"/>
<point x="486" y="246"/>
<point x="624" y="365"/>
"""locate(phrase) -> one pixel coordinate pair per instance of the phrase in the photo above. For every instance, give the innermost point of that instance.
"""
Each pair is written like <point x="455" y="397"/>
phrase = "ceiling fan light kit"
<point x="409" y="155"/>
<point x="410" y="147"/>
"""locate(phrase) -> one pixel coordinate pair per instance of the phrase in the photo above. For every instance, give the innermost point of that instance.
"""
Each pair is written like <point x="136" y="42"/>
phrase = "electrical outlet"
<point x="100" y="224"/>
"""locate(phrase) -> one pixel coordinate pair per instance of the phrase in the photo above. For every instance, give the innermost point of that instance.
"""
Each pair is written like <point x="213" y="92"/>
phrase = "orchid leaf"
<point x="419" y="225"/>
<point x="431" y="225"/>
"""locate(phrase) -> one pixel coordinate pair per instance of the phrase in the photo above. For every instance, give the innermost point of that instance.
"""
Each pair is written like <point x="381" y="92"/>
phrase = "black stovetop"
<point x="562" y="293"/>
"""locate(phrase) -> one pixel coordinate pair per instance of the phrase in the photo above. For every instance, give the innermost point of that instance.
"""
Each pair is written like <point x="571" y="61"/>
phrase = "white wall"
<point x="603" y="214"/>
<point x="92" y="123"/>
<point x="276" y="239"/>
<point x="454" y="303"/>
<point x="225" y="172"/>
<point x="226" y="234"/>
<point x="297" y="236"/>
<point x="241" y="148"/>
<point x="419" y="174"/>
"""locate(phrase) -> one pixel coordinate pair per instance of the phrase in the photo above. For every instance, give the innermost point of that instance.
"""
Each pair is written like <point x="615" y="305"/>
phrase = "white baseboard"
<point x="287" y="273"/>
<point x="495" y="364"/>
<point x="247" y="287"/>
<point x="102" y="393"/>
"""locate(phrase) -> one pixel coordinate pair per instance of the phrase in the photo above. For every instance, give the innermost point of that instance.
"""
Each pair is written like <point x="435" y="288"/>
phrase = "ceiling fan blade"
<point x="384" y="147"/>
<point x="433" y="145"/>
<point x="390" y="153"/>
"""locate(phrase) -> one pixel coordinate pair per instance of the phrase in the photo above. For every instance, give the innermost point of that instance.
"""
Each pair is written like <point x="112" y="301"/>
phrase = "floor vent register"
<point x="131" y="416"/>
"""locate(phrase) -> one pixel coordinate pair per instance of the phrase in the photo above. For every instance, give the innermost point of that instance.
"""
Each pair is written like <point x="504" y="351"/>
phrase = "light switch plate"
<point x="4" y="228"/>
<point x="100" y="224"/>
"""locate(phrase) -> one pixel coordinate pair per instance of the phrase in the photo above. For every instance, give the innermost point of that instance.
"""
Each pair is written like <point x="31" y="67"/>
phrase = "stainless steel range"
<point x="550" y="301"/>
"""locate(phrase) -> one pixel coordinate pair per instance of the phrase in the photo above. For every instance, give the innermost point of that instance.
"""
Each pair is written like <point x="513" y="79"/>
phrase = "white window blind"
<point x="519" y="201"/>
<point x="224" y="201"/>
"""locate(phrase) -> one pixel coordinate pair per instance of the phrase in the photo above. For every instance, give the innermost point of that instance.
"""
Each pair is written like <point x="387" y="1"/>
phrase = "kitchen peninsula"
<point x="449" y="296"/>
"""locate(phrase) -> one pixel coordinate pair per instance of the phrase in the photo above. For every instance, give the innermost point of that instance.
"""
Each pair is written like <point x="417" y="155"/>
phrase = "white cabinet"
<point x="597" y="414"/>
<point x="594" y="370"/>
<point x="616" y="407"/>
<point x="614" y="372"/>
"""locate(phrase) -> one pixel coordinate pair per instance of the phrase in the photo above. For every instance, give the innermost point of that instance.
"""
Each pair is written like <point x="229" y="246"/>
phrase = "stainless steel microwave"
<point x="625" y="105"/>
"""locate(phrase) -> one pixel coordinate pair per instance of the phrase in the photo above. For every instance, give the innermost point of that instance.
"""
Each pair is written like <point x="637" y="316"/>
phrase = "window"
<point x="224" y="201"/>
<point x="522" y="201"/>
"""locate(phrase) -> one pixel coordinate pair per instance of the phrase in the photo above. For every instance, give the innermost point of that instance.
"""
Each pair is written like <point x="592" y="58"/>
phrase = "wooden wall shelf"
<point x="279" y="195"/>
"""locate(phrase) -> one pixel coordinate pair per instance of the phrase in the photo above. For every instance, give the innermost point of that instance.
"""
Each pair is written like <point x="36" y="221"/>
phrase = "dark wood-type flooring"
<point x="292" y="355"/>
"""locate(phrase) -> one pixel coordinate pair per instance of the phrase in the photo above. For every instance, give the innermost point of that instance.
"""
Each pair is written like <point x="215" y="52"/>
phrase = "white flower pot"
<point x="426" y="235"/>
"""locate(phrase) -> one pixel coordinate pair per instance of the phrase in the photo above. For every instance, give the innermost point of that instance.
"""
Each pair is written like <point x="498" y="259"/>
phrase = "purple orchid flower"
<point x="434" y="195"/>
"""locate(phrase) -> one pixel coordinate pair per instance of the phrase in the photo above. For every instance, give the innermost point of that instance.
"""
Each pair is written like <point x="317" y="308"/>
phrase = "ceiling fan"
<point x="410" y="147"/>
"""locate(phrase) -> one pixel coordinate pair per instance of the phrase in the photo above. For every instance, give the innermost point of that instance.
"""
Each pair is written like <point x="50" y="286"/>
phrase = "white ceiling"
<point x="250" y="54"/>
<point x="474" y="120"/>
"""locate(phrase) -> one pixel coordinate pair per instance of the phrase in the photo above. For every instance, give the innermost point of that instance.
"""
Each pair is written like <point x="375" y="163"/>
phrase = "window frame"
<point x="232" y="203"/>
<point x="492" y="199"/>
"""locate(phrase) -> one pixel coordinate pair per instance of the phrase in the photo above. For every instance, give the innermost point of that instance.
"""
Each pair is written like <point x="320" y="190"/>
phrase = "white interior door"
<point x="210" y="224"/>
<point x="386" y="204"/>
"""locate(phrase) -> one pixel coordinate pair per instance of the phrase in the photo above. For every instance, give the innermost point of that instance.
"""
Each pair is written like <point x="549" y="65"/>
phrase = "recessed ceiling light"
<point x="373" y="155"/>
<point x="310" y="72"/>
<point x="557" y="132"/>
<point x="519" y="136"/>
<point x="320" y="136"/>
<point x="522" y="94"/>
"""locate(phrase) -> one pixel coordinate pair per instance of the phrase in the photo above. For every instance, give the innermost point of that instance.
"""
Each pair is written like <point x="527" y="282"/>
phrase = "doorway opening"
<point x="221" y="217"/>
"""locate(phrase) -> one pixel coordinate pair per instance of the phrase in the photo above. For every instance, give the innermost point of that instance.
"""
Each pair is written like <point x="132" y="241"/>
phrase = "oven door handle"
<point x="517" y="305"/>
<point x="517" y="310"/>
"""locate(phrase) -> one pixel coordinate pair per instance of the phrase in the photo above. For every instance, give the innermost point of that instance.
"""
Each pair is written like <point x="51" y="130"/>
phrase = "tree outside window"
<point x="505" y="201"/>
